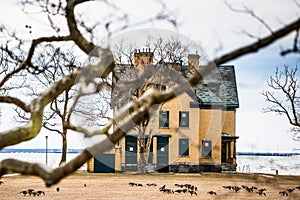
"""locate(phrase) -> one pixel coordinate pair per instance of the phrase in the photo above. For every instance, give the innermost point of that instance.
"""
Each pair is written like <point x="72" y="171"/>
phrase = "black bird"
<point x="132" y="184"/>
<point x="24" y="192"/>
<point x="35" y="193"/>
<point x="162" y="188"/>
<point x="261" y="192"/>
<point x="290" y="190"/>
<point x="212" y="193"/>
<point x="40" y="192"/>
<point x="178" y="191"/>
<point x="84" y="185"/>
<point x="192" y="192"/>
<point x="30" y="191"/>
<point x="1" y="182"/>
<point x="264" y="189"/>
<point x="284" y="193"/>
<point x="151" y="184"/>
<point x="57" y="189"/>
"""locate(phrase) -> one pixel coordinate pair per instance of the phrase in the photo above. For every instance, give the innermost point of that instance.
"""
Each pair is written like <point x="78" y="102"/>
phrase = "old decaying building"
<point x="194" y="132"/>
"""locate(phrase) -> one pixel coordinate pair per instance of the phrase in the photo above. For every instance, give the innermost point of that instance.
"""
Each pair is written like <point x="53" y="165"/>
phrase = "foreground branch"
<point x="37" y="106"/>
<point x="15" y="101"/>
<point x="254" y="47"/>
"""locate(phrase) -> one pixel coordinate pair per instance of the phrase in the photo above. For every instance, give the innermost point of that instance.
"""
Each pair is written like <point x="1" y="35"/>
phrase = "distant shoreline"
<point x="265" y="154"/>
<point x="8" y="150"/>
<point x="11" y="150"/>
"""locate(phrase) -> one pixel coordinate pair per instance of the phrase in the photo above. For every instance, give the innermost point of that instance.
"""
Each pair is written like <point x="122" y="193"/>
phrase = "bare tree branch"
<point x="263" y="42"/>
<point x="15" y="101"/>
<point x="247" y="10"/>
<point x="285" y="83"/>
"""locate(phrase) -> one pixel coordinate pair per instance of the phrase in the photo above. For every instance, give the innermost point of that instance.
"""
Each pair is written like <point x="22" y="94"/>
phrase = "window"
<point x="183" y="119"/>
<point x="163" y="119"/>
<point x="183" y="147"/>
<point x="206" y="148"/>
<point x="160" y="87"/>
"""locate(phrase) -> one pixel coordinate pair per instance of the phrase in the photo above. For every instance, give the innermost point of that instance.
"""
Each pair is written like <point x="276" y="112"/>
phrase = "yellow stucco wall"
<point x="204" y="124"/>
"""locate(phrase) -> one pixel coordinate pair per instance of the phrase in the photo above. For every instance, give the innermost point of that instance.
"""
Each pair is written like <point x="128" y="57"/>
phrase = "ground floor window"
<point x="206" y="148"/>
<point x="183" y="147"/>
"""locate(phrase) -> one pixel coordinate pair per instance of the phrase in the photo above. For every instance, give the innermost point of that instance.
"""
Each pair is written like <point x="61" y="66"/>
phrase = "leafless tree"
<point x="57" y="115"/>
<point x="81" y="35"/>
<point x="284" y="96"/>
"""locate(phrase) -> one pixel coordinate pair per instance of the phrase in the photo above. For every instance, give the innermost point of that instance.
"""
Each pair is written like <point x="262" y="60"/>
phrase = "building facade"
<point x="194" y="132"/>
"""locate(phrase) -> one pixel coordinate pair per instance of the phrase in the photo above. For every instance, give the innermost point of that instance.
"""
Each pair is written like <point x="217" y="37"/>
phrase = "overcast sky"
<point x="218" y="30"/>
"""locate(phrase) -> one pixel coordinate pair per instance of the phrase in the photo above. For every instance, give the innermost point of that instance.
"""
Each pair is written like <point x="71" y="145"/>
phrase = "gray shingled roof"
<point x="219" y="88"/>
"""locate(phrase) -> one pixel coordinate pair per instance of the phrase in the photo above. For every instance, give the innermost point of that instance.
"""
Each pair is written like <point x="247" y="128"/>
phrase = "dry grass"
<point x="115" y="186"/>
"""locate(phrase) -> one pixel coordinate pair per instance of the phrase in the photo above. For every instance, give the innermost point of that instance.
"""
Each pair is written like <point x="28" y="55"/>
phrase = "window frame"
<point x="182" y="150"/>
<point x="187" y="119"/>
<point x="167" y="121"/>
<point x="204" y="149"/>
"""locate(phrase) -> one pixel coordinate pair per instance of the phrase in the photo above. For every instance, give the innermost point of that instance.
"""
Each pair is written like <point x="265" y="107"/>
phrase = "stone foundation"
<point x="193" y="168"/>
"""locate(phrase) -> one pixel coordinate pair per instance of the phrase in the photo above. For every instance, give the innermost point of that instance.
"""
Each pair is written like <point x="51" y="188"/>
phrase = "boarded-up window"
<point x="183" y="119"/>
<point x="163" y="119"/>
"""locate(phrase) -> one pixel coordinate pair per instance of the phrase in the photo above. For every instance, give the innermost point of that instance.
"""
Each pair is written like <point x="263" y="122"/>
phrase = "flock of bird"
<point x="32" y="192"/>
<point x="286" y="192"/>
<point x="181" y="188"/>
<point x="252" y="189"/>
<point x="39" y="192"/>
<point x="192" y="190"/>
<point x="260" y="192"/>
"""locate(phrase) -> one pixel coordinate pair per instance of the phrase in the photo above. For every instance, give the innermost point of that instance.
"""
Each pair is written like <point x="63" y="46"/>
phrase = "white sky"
<point x="213" y="25"/>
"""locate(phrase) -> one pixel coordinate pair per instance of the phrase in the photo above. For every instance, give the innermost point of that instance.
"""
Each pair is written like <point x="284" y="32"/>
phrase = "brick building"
<point x="193" y="132"/>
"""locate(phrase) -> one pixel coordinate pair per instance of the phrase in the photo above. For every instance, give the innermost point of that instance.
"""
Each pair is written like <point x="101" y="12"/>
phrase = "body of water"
<point x="53" y="159"/>
<point x="286" y="165"/>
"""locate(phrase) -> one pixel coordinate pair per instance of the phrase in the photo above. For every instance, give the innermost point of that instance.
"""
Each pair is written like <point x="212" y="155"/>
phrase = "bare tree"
<point x="77" y="33"/>
<point x="58" y="115"/>
<point x="284" y="96"/>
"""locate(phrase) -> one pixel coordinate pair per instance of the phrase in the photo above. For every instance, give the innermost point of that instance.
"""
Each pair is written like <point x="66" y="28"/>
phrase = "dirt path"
<point x="116" y="186"/>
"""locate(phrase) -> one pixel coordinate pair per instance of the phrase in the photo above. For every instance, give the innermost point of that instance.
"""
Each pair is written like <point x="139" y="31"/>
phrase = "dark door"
<point x="131" y="150"/>
<point x="162" y="153"/>
<point x="104" y="163"/>
<point x="224" y="152"/>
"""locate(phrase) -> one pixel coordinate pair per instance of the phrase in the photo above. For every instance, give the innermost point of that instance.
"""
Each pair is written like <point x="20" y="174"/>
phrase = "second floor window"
<point x="163" y="119"/>
<point x="183" y="119"/>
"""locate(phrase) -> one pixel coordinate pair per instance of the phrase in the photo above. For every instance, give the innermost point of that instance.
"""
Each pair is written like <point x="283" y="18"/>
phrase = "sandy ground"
<point x="116" y="186"/>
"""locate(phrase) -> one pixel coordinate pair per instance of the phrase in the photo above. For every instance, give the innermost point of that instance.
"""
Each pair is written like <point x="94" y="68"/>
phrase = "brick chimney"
<point x="193" y="62"/>
<point x="143" y="56"/>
